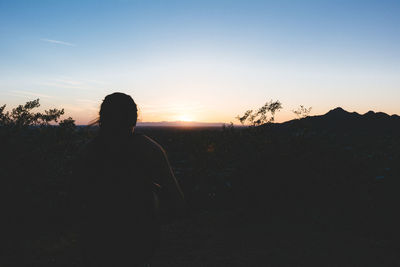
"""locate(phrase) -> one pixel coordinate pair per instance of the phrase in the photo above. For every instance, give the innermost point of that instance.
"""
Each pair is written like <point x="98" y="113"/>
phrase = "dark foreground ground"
<point x="234" y="239"/>
<point x="226" y="239"/>
<point x="282" y="195"/>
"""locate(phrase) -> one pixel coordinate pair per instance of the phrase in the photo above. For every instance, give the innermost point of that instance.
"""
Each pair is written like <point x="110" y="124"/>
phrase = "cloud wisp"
<point x="57" y="42"/>
<point x="21" y="93"/>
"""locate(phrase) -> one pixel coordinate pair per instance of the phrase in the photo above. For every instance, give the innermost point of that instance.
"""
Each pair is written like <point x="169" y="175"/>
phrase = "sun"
<point x="185" y="118"/>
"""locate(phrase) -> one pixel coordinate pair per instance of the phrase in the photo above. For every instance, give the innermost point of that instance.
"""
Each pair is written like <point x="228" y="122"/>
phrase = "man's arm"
<point x="170" y="190"/>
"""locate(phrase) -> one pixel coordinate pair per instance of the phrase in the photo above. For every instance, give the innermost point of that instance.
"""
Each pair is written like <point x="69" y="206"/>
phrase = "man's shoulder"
<point x="148" y="144"/>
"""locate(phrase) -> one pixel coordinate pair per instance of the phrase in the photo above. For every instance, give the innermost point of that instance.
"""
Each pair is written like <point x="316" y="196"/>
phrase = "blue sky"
<point x="201" y="60"/>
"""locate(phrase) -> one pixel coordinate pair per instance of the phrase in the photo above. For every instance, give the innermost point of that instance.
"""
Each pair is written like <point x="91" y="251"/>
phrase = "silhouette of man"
<point x="114" y="189"/>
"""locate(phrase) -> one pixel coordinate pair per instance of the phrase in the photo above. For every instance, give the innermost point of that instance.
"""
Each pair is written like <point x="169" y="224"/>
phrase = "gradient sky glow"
<point x="201" y="60"/>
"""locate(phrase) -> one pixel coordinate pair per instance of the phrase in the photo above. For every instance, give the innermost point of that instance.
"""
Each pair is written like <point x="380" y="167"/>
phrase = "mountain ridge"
<point x="340" y="120"/>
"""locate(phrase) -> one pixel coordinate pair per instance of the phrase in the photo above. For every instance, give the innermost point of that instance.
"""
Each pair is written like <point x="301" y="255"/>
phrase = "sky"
<point x="202" y="60"/>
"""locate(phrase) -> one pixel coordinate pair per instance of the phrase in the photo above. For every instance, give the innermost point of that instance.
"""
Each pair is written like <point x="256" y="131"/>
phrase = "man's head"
<point x="118" y="112"/>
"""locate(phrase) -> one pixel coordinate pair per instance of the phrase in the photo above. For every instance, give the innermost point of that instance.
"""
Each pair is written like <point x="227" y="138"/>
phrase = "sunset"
<point x="177" y="133"/>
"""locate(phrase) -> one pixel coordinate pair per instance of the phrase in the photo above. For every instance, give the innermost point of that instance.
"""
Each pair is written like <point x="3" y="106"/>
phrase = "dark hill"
<point x="339" y="121"/>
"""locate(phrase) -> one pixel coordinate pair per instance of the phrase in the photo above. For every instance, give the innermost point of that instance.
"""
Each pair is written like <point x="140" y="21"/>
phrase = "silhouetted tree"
<point x="68" y="123"/>
<point x="22" y="116"/>
<point x="4" y="116"/>
<point x="302" y="112"/>
<point x="265" y="114"/>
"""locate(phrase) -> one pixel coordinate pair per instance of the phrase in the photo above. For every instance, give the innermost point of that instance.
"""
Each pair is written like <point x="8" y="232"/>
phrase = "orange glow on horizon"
<point x="186" y="118"/>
